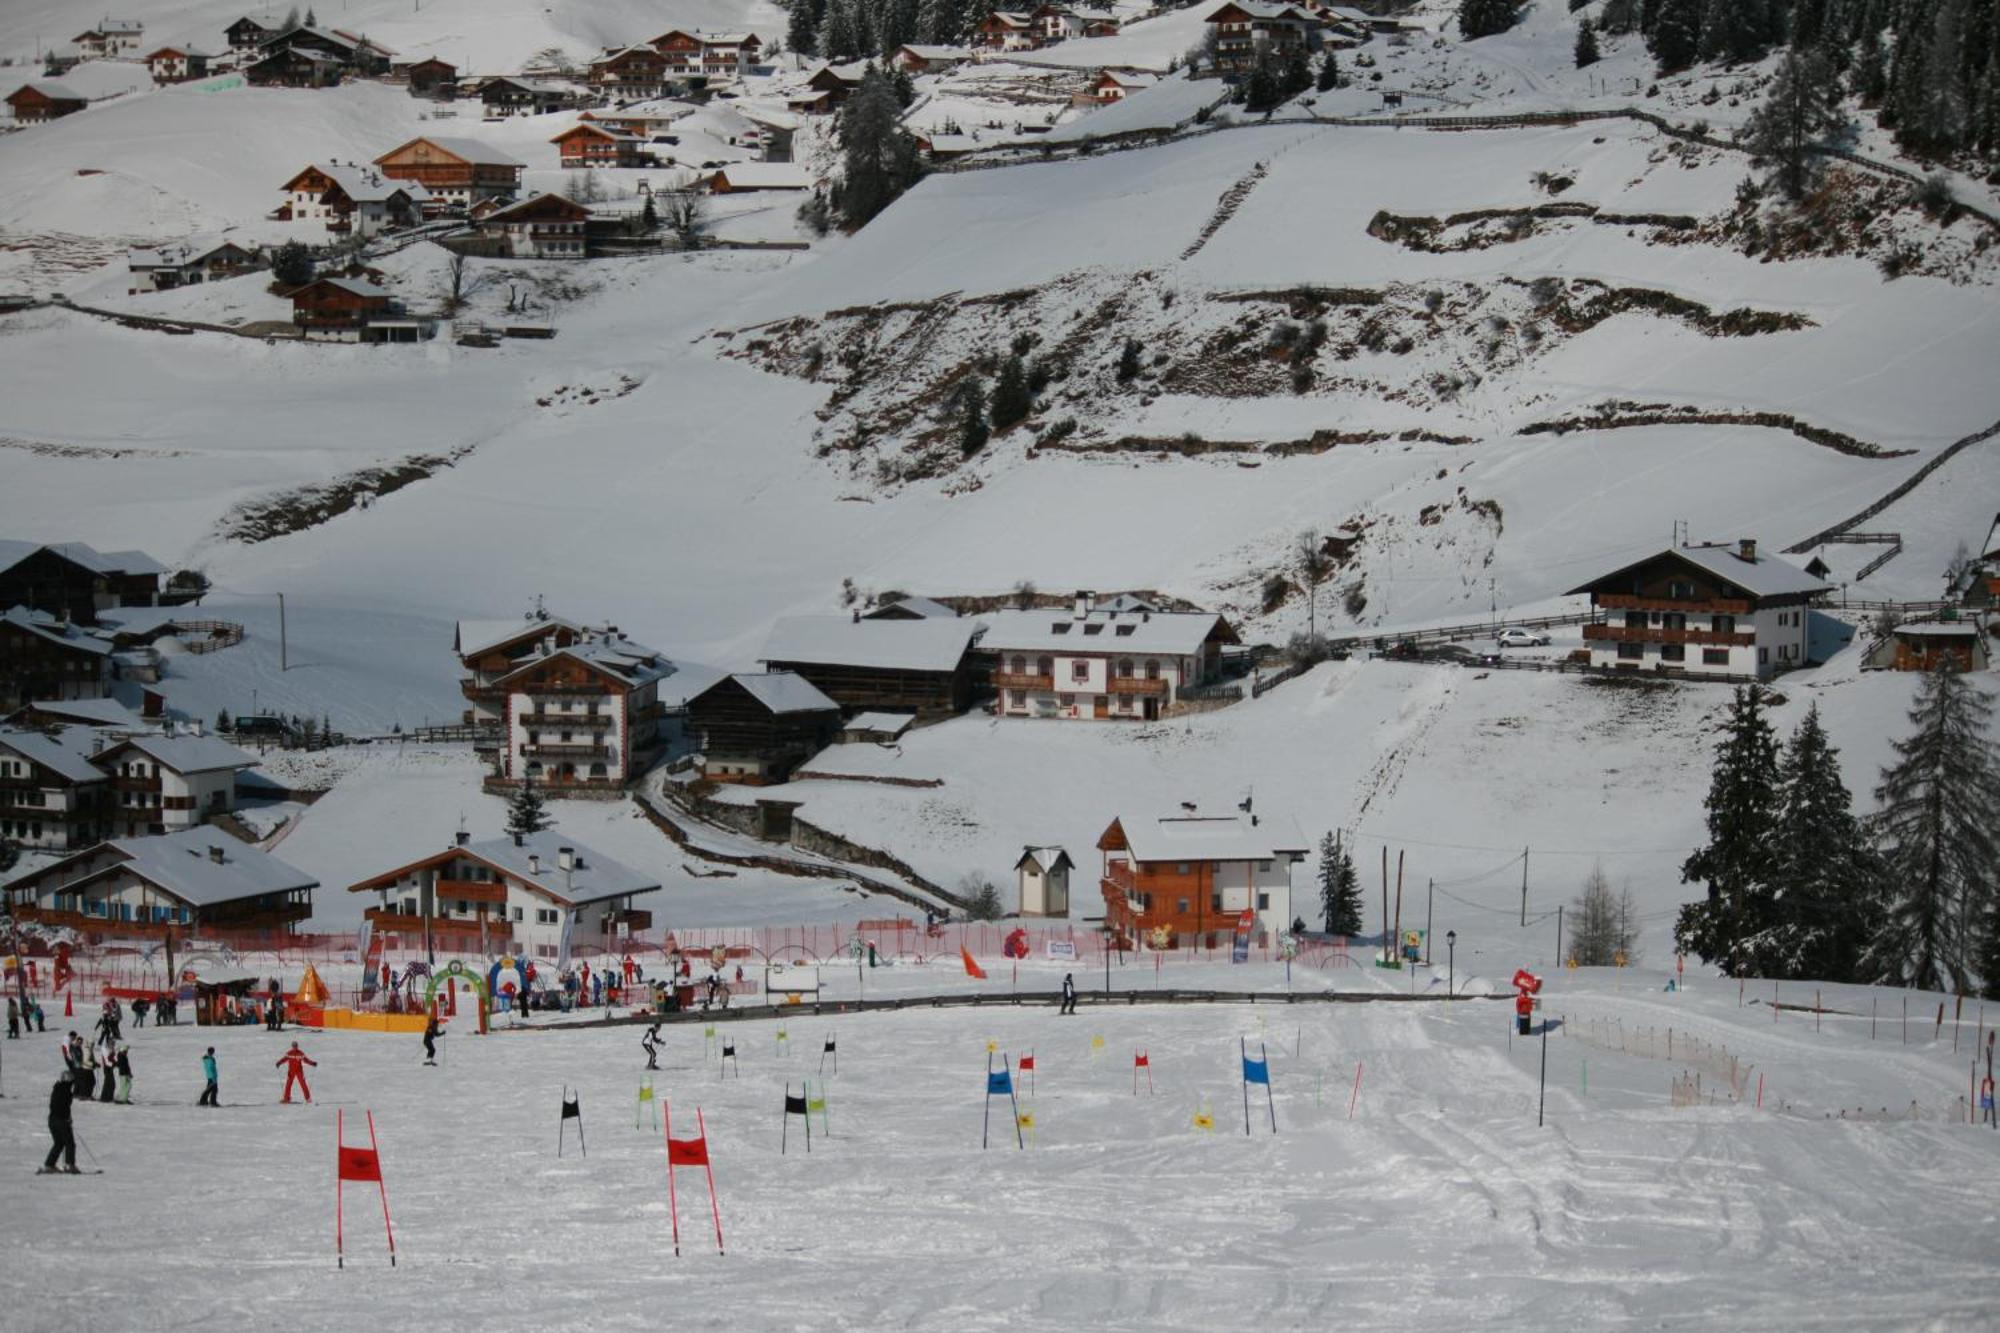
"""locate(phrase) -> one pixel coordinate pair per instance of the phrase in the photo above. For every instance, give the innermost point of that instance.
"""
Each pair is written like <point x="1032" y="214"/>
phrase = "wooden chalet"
<point x="431" y="77"/>
<point x="828" y="89"/>
<point x="1187" y="878"/>
<point x="293" y="67"/>
<point x="44" y="657"/>
<point x="491" y="650"/>
<point x="911" y="608"/>
<point x="918" y="666"/>
<point x="634" y="73"/>
<point x="1925" y="645"/>
<point x="915" y="59"/>
<point x="1004" y="30"/>
<point x="1705" y="610"/>
<point x="73" y="581"/>
<point x="353" y="54"/>
<point x="592" y="144"/>
<point x="1246" y="29"/>
<point x="44" y="100"/>
<point x="750" y="177"/>
<point x="756" y="728"/>
<point x="511" y="96"/>
<point x="339" y="304"/>
<point x="163" y="268"/>
<point x="198" y="879"/>
<point x="1115" y="85"/>
<point x="252" y="30"/>
<point x="459" y="170"/>
<point x="1113" y="662"/>
<point x="176" y="64"/>
<point x="546" y="226"/>
<point x="1055" y="23"/>
<point x="52" y="798"/>
<point x="111" y="38"/>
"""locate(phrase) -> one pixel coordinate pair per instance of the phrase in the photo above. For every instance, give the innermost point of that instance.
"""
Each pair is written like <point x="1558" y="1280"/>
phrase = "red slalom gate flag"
<point x="689" y="1152"/>
<point x="360" y="1164"/>
<point x="1026" y="1063"/>
<point x="972" y="969"/>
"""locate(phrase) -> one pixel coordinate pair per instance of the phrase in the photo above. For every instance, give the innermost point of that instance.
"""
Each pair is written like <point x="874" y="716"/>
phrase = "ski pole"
<point x="85" y="1146"/>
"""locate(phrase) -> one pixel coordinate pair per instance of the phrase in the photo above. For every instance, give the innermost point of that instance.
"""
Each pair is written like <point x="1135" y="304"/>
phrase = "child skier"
<point x="651" y="1044"/>
<point x="61" y="1130"/>
<point x="208" y="1094"/>
<point x="430" y="1039"/>
<point x="295" y="1062"/>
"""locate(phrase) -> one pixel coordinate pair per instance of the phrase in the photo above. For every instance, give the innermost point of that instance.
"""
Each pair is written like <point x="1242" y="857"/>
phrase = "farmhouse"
<point x="1193" y="876"/>
<point x="1924" y="644"/>
<point x="1245" y="29"/>
<point x="510" y="96"/>
<point x="829" y="87"/>
<point x="294" y="67"/>
<point x="349" y="53"/>
<point x="175" y="64"/>
<point x="536" y="894"/>
<point x="593" y="144"/>
<point x="1710" y="610"/>
<point x="52" y="798"/>
<point x="711" y="55"/>
<point x="756" y="728"/>
<point x="75" y="581"/>
<point x="635" y="73"/>
<point x="44" y="657"/>
<point x="431" y="77"/>
<point x="166" y="267"/>
<point x="44" y="100"/>
<point x="919" y="666"/>
<point x="547" y="226"/>
<point x="162" y="784"/>
<point x="490" y="650"/>
<point x="341" y="309"/>
<point x="199" y="878"/>
<point x="352" y="200"/>
<point x="585" y="717"/>
<point x="911" y="608"/>
<point x="111" y="38"/>
<point x="462" y="171"/>
<point x="1056" y="23"/>
<point x="930" y="59"/>
<point x="745" y="177"/>
<point x="1099" y="662"/>
<point x="252" y="30"/>
<point x="1003" y="30"/>
<point x="1115" y="85"/>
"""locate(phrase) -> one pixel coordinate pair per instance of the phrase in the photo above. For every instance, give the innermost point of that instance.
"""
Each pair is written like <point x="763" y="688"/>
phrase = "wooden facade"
<point x="293" y="68"/>
<point x="337" y="303"/>
<point x="247" y="32"/>
<point x="432" y="78"/>
<point x="637" y="72"/>
<point x="440" y="169"/>
<point x="32" y="104"/>
<point x="928" y="694"/>
<point x="592" y="145"/>
<point x="739" y="731"/>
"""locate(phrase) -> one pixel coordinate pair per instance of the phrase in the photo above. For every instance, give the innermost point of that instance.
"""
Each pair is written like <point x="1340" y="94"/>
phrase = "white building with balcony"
<point x="585" y="717"/>
<point x="1722" y="609"/>
<point x="1118" y="661"/>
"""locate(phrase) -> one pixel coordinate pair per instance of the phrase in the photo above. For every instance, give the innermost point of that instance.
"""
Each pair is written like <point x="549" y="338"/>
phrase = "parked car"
<point x="1520" y="638"/>
<point x="1450" y="654"/>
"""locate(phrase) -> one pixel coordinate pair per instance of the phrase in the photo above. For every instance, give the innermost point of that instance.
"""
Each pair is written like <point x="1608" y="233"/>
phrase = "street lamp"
<point x="1451" y="964"/>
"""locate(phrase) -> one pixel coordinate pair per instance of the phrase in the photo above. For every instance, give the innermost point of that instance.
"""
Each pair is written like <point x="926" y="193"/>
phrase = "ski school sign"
<point x="1061" y="950"/>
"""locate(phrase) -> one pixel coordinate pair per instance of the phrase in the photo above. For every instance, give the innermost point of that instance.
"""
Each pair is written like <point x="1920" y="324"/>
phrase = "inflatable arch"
<point x="457" y="971"/>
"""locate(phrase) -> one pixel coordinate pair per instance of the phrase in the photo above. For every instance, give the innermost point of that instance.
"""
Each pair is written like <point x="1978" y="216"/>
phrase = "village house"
<point x="828" y="89"/>
<point x="755" y="728"/>
<point x="491" y="650"/>
<point x="592" y="144"/>
<point x="1088" y="661"/>
<point x="1115" y="85"/>
<point x="102" y="715"/>
<point x="76" y="581"/>
<point x="176" y="64"/>
<point x="163" y="784"/>
<point x="1710" y="610"/>
<point x="430" y="77"/>
<point x="1041" y="879"/>
<point x="930" y="59"/>
<point x="111" y="39"/>
<point x="186" y="264"/>
<point x="709" y="55"/>
<point x="47" y="657"/>
<point x="748" y="177"/>
<point x="52" y="798"/>
<point x="1102" y="27"/>
<point x="649" y="125"/>
<point x="349" y="199"/>
<point x="252" y="30"/>
<point x="1192" y="876"/>
<point x="293" y="67"/>
<point x="44" y="100"/>
<point x="547" y="226"/>
<point x="1922" y="645"/>
<point x="351" y="54"/>
<point x="460" y="171"/>
<point x="875" y="728"/>
<point x="632" y="73"/>
<point x="1004" y="30"/>
<point x="1056" y="23"/>
<point x="340" y="309"/>
<point x="584" y="718"/>
<point x="918" y="666"/>
<point x="197" y="879"/>
<point x="1245" y="29"/>
<point x="539" y="895"/>
<point x="911" y="608"/>
<point x="511" y="96"/>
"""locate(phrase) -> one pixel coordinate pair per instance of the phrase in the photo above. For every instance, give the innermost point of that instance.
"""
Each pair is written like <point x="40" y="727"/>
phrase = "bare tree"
<point x="1314" y="566"/>
<point x="1604" y="929"/>
<point x="461" y="282"/>
<point x="551" y="60"/>
<point x="1024" y="595"/>
<point x="684" y="213"/>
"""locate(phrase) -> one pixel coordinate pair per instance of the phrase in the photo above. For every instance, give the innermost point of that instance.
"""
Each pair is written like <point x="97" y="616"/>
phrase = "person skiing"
<point x="139" y="1007"/>
<point x="1986" y="1110"/>
<point x="1068" y="994"/>
<point x="123" y="1064"/>
<point x="107" y="1062"/>
<point x="41" y="1019"/>
<point x="650" y="1043"/>
<point x="208" y="1072"/>
<point x="61" y="1130"/>
<point x="295" y="1062"/>
<point x="430" y="1039"/>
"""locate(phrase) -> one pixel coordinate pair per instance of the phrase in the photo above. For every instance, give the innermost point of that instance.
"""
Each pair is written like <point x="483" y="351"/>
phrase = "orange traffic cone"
<point x="69" y="1004"/>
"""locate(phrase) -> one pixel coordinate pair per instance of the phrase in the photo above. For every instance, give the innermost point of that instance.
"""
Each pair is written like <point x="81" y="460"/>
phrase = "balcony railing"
<point x="411" y="922"/>
<point x="1136" y="685"/>
<point x="581" y="687"/>
<point x="590" y="721"/>
<point x="1013" y="680"/>
<point x="1120" y="874"/>
<point x="636" y="918"/>
<point x="471" y="890"/>
<point x="1722" y="606"/>
<point x="1636" y="634"/>
<point x="561" y="751"/>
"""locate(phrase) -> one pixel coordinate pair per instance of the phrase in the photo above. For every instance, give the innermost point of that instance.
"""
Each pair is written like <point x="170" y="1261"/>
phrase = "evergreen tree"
<point x="1798" y="118"/>
<point x="1483" y="18"/>
<point x="1339" y="888"/>
<point x="1939" y="826"/>
<point x="525" y="813"/>
<point x="292" y="264"/>
<point x="1619" y="16"/>
<point x="1586" y="45"/>
<point x="1329" y="73"/>
<point x="880" y="157"/>
<point x="802" y="27"/>
<point x="839" y="36"/>
<point x="972" y="429"/>
<point x="940" y="22"/>
<point x="1734" y="30"/>
<point x="1739" y="861"/>
<point x="1260" y="92"/>
<point x="1870" y="78"/>
<point x="222" y="722"/>
<point x="906" y="91"/>
<point x="1128" y="361"/>
<point x="1829" y="897"/>
<point x="312" y="19"/>
<point x="1675" y="37"/>
<point x="1011" y="399"/>
<point x="1294" y="75"/>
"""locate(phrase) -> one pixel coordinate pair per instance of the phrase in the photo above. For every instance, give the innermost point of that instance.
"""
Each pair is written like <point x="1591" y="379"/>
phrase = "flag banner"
<point x="1256" y="1071"/>
<point x="816" y="1103"/>
<point x="795" y="1105"/>
<point x="729" y="1050"/>
<point x="972" y="969"/>
<point x="1027" y="1119"/>
<point x="1026" y="1063"/>
<point x="571" y="1110"/>
<point x="645" y="1092"/>
<point x="829" y="1048"/>
<point x="360" y="1164"/>
<point x="1239" y="951"/>
<point x="999" y="1083"/>
<point x="1141" y="1061"/>
<point x="687" y="1152"/>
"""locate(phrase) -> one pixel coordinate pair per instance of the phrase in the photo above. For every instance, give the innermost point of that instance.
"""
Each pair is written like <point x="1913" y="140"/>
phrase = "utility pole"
<point x="1430" y="897"/>
<point x="284" y="651"/>
<point x="1524" y="886"/>
<point x="1559" y="934"/>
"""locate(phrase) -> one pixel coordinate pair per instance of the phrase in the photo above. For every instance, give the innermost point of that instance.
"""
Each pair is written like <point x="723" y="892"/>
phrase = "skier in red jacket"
<point x="294" y="1062"/>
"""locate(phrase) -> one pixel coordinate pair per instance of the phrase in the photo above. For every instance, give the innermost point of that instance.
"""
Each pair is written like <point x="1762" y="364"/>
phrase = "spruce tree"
<point x="839" y="37"/>
<point x="802" y="29"/>
<point x="1939" y="829"/>
<point x="525" y="813"/>
<point x="1586" y="45"/>
<point x="1483" y="18"/>
<point x="1339" y="888"/>
<point x="1796" y="121"/>
<point x="1739" y="861"/>
<point x="972" y="428"/>
<point x="1675" y="37"/>
<point x="940" y="22"/>
<point x="1011" y="399"/>
<point x="880" y="157"/>
<point x="1829" y="895"/>
<point x="1329" y="74"/>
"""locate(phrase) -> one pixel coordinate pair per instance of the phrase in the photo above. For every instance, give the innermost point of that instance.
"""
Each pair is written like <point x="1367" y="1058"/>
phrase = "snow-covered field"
<point x="1440" y="1202"/>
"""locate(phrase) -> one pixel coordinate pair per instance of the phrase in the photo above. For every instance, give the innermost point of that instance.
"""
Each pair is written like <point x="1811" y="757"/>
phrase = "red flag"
<point x="972" y="969"/>
<point x="1142" y="1062"/>
<point x="1027" y="1064"/>
<point x="361" y="1164"/>
<point x="687" y="1152"/>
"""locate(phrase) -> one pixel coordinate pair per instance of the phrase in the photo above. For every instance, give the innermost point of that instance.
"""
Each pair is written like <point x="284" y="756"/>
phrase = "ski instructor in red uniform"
<point x="294" y="1063"/>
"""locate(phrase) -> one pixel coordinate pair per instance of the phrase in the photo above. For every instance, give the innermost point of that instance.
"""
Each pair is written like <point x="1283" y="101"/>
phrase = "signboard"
<point x="1240" y="948"/>
<point x="1064" y="950"/>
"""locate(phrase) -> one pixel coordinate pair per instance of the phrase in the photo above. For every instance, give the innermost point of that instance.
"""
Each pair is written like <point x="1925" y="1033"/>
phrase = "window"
<point x="1681" y="590"/>
<point x="1631" y="652"/>
<point x="1066" y="700"/>
<point x="1715" y="656"/>
<point x="1181" y="869"/>
<point x="1263" y="902"/>
<point x="1673" y="620"/>
<point x="545" y="916"/>
<point x="1093" y="629"/>
<point x="1017" y="698"/>
<point x="1020" y="667"/>
<point x="517" y="914"/>
<point x="1215" y="902"/>
<point x="1152" y="669"/>
<point x="1263" y="867"/>
<point x="1184" y="906"/>
<point x="1636" y="620"/>
<point x="1673" y="652"/>
<point x="1126" y="702"/>
<point x="1060" y="627"/>
<point x="1125" y="666"/>
<point x="1763" y="656"/>
<point x="1045" y="666"/>
<point x="1724" y="624"/>
<point x="1079" y="670"/>
<point x="1124" y="630"/>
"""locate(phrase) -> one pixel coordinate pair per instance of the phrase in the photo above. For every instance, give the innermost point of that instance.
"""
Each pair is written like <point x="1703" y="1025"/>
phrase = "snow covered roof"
<point x="467" y="150"/>
<point x="179" y="254"/>
<point x="1938" y="629"/>
<point x="1758" y="574"/>
<point x="785" y="692"/>
<point x="1045" y="859"/>
<point x="67" y="760"/>
<point x="939" y="53"/>
<point x="1058" y="629"/>
<point x="893" y="645"/>
<point x="889" y="724"/>
<point x="479" y="636"/>
<point x="556" y="87"/>
<point x="55" y="631"/>
<point x="1194" y="837"/>
<point x="180" y="51"/>
<point x="922" y="607"/>
<point x="1126" y="78"/>
<point x="186" y="754"/>
<point x="365" y="184"/>
<point x="13" y="553"/>
<point x="763" y="176"/>
<point x="91" y="712"/>
<point x="536" y="860"/>
<point x="632" y="664"/>
<point x="203" y="867"/>
<point x="55" y="92"/>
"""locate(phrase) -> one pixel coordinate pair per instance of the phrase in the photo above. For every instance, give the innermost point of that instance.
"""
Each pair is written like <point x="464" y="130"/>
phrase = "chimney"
<point x="1746" y="548"/>
<point x="194" y="726"/>
<point x="215" y="852"/>
<point x="517" y="840"/>
<point x="857" y="616"/>
<point x="534" y="864"/>
<point x="1083" y="597"/>
<point x="464" y="838"/>
<point x="566" y="858"/>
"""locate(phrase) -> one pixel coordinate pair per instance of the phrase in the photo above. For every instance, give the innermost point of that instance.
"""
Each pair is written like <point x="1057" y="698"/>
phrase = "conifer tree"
<point x="1339" y="888"/>
<point x="1586" y="44"/>
<point x="1675" y="35"/>
<point x="1738" y="862"/>
<point x="972" y="429"/>
<point x="1011" y="399"/>
<point x="1797" y="119"/>
<point x="1829" y="895"/>
<point x="1329" y="74"/>
<point x="880" y="157"/>
<point x="802" y="28"/>
<point x="525" y="813"/>
<point x="1483" y="18"/>
<point x="940" y="22"/>
<point x="1939" y="827"/>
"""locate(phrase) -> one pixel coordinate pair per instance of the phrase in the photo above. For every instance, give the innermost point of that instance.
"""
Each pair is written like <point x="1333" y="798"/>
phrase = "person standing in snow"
<point x="107" y="1064"/>
<point x="13" y="1019"/>
<point x="124" y="1067"/>
<point x="61" y="1130"/>
<point x="295" y="1062"/>
<point x="139" y="1008"/>
<point x="208" y="1071"/>
<point x="650" y="1043"/>
<point x="41" y="1019"/>
<point x="430" y="1039"/>
<point x="1068" y="994"/>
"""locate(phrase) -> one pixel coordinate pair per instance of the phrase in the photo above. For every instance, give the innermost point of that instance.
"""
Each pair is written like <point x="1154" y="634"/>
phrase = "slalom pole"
<point x="1542" y="1101"/>
<point x="339" y="1239"/>
<point x="708" y="1165"/>
<point x="1355" y="1097"/>
<point x="1020" y="1141"/>
<point x="382" y="1184"/>
<point x="1243" y="1049"/>
<point x="673" y="1198"/>
<point x="986" y="1121"/>
<point x="1270" y="1100"/>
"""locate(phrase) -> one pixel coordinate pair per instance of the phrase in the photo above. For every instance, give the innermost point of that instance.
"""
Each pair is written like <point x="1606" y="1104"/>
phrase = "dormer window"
<point x="1093" y="629"/>
<point x="1060" y="627"/>
<point x="1126" y="629"/>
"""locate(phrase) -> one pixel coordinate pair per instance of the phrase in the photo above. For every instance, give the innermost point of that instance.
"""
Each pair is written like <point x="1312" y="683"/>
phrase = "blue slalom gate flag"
<point x="999" y="1083"/>
<point x="1256" y="1071"/>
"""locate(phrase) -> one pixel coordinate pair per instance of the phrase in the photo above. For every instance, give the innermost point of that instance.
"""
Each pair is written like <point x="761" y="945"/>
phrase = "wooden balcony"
<point x="471" y="891"/>
<point x="1634" y="634"/>
<point x="584" y="687"/>
<point x="1011" y="680"/>
<point x="411" y="923"/>
<point x="633" y="918"/>
<point x="1136" y="685"/>
<point x="573" y="721"/>
<point x="1119" y="874"/>
<point x="1718" y="606"/>
<point x="571" y="751"/>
